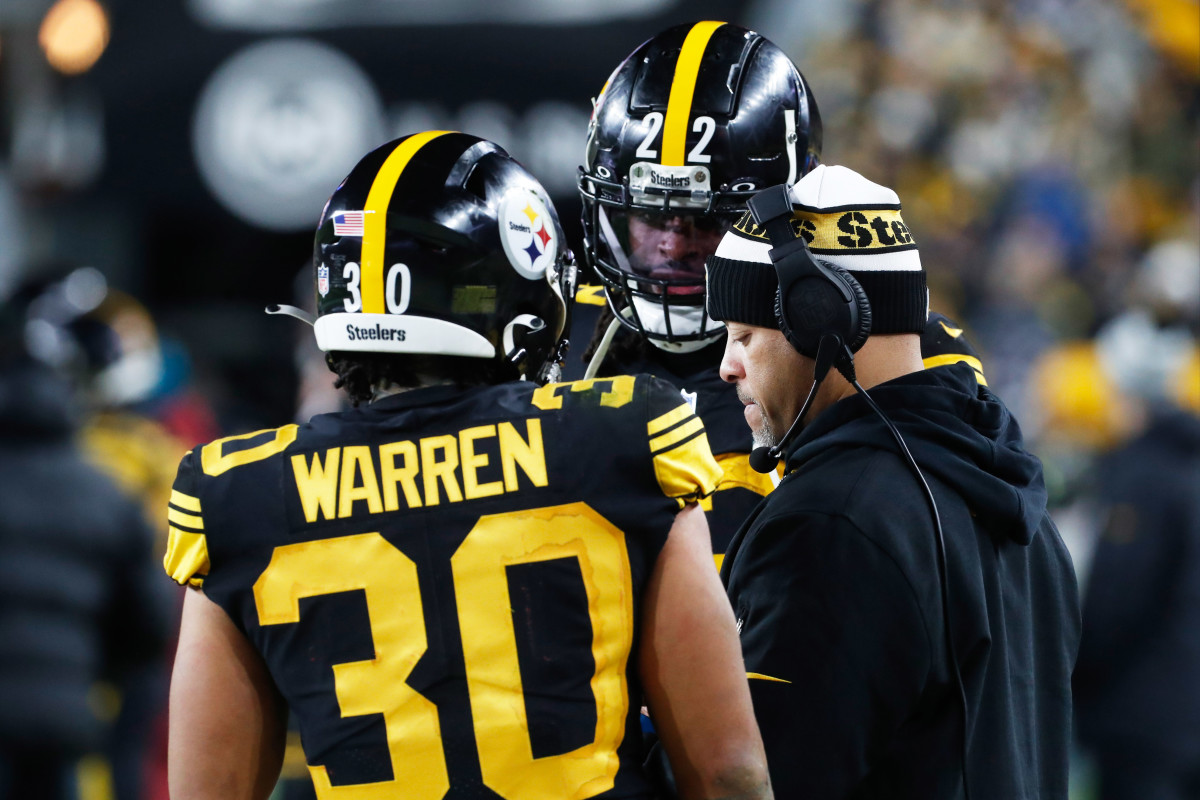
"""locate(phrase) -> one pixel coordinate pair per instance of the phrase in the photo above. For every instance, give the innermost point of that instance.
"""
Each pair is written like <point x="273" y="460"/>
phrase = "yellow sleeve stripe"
<point x="192" y="521"/>
<point x="954" y="358"/>
<point x="758" y="676"/>
<point x="185" y="501"/>
<point x="186" y="560"/>
<point x="676" y="435"/>
<point x="688" y="470"/>
<point x="683" y="87"/>
<point x="667" y="420"/>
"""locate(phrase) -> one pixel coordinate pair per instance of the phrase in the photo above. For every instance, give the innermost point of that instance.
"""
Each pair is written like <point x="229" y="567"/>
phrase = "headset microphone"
<point x="764" y="459"/>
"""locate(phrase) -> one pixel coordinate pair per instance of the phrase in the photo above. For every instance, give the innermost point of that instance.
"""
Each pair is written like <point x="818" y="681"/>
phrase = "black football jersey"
<point x="697" y="376"/>
<point x="445" y="585"/>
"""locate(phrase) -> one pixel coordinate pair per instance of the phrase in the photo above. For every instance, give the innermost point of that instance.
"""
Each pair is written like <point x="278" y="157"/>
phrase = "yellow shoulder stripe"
<point x="193" y="521"/>
<point x="185" y="501"/>
<point x="954" y="332"/>
<point x="758" y="676"/>
<point x="672" y="417"/>
<point x="954" y="358"/>
<point x="683" y="87"/>
<point x="676" y="435"/>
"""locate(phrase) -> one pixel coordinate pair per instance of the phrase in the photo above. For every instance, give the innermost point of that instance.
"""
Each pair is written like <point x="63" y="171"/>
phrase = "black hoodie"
<point x="80" y="590"/>
<point x="835" y="584"/>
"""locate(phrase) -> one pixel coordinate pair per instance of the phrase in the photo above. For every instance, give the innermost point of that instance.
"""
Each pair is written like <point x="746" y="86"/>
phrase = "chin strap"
<point x="291" y="311"/>
<point x="602" y="350"/>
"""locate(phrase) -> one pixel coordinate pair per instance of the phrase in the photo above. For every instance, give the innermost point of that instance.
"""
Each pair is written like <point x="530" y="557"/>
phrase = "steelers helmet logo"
<point x="527" y="232"/>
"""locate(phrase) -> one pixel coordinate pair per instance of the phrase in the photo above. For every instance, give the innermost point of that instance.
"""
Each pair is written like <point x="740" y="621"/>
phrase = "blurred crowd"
<point x="1046" y="152"/>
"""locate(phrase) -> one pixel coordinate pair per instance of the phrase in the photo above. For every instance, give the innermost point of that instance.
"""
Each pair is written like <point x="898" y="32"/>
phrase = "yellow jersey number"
<point x="389" y="580"/>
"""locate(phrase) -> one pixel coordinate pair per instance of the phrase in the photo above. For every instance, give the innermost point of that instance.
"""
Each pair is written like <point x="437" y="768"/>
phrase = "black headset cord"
<point x="942" y="571"/>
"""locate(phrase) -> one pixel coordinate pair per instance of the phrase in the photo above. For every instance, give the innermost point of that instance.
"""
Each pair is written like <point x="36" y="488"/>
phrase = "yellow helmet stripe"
<point x="375" y="218"/>
<point x="679" y="104"/>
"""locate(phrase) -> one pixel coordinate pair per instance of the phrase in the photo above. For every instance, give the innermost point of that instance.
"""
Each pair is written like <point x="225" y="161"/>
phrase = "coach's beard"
<point x="761" y="432"/>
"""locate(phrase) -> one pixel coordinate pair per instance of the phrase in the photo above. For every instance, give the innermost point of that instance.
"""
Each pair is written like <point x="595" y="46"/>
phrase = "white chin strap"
<point x="685" y="320"/>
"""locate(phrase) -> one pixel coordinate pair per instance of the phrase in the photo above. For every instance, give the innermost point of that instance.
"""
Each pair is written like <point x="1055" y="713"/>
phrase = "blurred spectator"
<point x="81" y="600"/>
<point x="122" y="366"/>
<point x="1136" y="689"/>
<point x="119" y="367"/>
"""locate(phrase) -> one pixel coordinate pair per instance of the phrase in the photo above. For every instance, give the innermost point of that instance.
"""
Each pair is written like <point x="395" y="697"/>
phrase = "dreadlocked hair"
<point x="360" y="374"/>
<point x="627" y="346"/>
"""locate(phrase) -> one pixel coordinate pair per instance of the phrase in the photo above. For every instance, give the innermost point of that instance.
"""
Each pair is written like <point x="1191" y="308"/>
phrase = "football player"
<point x="687" y="128"/>
<point x="466" y="585"/>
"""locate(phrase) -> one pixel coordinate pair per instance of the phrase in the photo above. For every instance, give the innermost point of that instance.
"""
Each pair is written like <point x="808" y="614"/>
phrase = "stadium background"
<point x="1045" y="150"/>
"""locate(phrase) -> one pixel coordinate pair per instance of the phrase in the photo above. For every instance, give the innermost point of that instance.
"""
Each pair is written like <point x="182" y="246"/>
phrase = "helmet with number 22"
<point x="688" y="127"/>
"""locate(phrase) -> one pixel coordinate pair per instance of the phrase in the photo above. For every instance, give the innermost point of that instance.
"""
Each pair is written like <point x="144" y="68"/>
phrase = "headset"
<point x="825" y="315"/>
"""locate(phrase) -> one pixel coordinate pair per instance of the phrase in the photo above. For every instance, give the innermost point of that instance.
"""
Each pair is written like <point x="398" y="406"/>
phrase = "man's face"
<point x="772" y="379"/>
<point x="674" y="247"/>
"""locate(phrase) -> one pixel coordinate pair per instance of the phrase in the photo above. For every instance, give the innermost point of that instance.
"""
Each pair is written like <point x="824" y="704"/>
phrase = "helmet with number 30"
<point x="440" y="243"/>
<point x="686" y="129"/>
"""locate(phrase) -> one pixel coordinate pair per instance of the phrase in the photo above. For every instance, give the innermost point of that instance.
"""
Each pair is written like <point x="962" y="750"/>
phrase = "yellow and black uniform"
<point x="446" y="584"/>
<point x="697" y="378"/>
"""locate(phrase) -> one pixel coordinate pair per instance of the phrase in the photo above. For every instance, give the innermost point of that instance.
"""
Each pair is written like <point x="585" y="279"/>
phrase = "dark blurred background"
<point x="1045" y="151"/>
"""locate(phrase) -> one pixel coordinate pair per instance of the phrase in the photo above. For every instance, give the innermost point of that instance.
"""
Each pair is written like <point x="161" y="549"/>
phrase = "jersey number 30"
<point x="388" y="578"/>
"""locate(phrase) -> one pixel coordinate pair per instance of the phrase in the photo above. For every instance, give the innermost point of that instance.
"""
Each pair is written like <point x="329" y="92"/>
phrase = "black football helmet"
<point x="102" y="340"/>
<point x="441" y="243"/>
<point x="686" y="129"/>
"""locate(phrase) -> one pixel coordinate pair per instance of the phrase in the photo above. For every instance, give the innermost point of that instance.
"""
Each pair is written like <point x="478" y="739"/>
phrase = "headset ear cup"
<point x="807" y="348"/>
<point x="853" y="333"/>
<point x="781" y="318"/>
<point x="857" y="337"/>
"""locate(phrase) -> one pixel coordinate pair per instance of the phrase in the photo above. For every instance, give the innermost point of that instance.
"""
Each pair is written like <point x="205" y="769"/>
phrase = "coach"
<point x="902" y="641"/>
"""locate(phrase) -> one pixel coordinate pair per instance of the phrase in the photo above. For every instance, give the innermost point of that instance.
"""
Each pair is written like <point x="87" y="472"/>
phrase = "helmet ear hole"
<point x="528" y="343"/>
<point x="476" y="183"/>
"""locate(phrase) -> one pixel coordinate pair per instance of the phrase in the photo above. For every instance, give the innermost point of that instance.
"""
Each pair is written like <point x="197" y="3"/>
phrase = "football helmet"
<point x="103" y="340"/>
<point x="441" y="243"/>
<point x="687" y="128"/>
